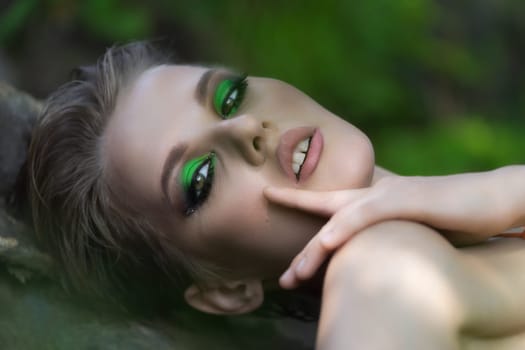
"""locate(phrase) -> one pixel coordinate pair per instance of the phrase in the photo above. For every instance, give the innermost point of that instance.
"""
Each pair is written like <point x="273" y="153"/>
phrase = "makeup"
<point x="229" y="95"/>
<point x="297" y="162"/>
<point x="197" y="178"/>
<point x="312" y="156"/>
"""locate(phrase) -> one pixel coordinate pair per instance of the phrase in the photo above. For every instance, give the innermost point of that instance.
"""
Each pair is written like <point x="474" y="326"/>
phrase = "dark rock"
<point x="19" y="252"/>
<point x="18" y="111"/>
<point x="41" y="316"/>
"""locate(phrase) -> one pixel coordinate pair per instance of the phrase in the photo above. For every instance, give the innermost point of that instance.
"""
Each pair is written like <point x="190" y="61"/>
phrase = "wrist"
<point x="511" y="180"/>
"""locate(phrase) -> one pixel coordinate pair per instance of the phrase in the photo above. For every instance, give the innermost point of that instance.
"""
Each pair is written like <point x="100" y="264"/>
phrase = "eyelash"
<point x="229" y="95"/>
<point x="197" y="185"/>
<point x="227" y="98"/>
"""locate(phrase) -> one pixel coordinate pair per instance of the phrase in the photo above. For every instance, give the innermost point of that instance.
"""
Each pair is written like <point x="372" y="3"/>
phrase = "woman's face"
<point x="193" y="149"/>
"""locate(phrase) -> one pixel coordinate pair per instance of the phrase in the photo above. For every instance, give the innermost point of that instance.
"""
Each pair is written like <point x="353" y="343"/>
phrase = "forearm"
<point x="480" y="204"/>
<point x="467" y="208"/>
<point x="511" y="184"/>
<point x="380" y="173"/>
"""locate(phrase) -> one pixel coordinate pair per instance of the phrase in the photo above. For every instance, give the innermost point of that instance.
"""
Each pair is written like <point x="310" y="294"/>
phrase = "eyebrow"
<point x="170" y="163"/>
<point x="202" y="86"/>
<point x="175" y="154"/>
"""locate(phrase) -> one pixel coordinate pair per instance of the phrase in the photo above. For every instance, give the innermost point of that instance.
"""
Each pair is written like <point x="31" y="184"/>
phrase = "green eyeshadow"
<point x="189" y="170"/>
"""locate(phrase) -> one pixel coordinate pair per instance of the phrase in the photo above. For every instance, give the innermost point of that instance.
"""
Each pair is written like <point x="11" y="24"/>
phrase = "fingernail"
<point x="285" y="277"/>
<point x="301" y="265"/>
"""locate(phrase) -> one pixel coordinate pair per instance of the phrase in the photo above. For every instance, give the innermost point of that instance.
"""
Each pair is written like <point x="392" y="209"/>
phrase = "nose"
<point x="244" y="135"/>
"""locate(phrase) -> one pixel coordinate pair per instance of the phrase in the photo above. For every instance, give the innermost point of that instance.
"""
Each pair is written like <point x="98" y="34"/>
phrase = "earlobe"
<point x="226" y="298"/>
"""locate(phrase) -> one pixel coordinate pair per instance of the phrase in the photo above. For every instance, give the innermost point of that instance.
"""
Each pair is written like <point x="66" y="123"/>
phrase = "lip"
<point x="287" y="144"/>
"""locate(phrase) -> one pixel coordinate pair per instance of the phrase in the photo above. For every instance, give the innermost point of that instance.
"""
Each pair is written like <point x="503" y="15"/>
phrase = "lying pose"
<point x="161" y="180"/>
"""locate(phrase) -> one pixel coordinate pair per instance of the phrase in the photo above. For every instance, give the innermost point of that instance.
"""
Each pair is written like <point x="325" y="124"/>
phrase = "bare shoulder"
<point x="395" y="281"/>
<point x="477" y="290"/>
<point x="402" y="258"/>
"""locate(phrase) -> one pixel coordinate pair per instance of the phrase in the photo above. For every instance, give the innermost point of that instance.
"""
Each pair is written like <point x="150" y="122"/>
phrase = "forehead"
<point x="154" y="85"/>
<point x="166" y="86"/>
<point x="145" y="124"/>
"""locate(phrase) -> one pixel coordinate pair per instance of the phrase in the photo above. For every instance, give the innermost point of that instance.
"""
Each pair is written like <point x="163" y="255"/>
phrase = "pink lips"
<point x="287" y="145"/>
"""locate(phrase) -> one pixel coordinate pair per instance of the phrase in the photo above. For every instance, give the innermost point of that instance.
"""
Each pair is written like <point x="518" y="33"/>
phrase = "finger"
<point x="349" y="221"/>
<point x="288" y="279"/>
<point x="320" y="203"/>
<point x="305" y="264"/>
<point x="313" y="256"/>
<point x="323" y="203"/>
<point x="337" y="231"/>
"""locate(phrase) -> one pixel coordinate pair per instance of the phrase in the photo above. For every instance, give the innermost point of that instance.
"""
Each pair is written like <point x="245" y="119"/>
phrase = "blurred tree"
<point x="381" y="64"/>
<point x="14" y="17"/>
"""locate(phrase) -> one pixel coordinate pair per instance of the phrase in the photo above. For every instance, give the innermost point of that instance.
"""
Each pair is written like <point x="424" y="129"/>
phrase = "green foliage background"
<point x="439" y="85"/>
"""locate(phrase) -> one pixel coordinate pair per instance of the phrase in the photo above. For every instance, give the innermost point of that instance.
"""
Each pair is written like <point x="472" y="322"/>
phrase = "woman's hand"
<point x="349" y="211"/>
<point x="471" y="206"/>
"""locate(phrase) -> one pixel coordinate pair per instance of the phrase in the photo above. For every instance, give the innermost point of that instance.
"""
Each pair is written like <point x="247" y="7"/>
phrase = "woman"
<point x="150" y="178"/>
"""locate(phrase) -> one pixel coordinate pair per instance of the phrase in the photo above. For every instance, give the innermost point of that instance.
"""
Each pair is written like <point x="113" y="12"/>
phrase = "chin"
<point x="355" y="171"/>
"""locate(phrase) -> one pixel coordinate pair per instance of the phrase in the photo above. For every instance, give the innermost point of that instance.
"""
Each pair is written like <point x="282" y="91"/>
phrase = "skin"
<point x="454" y="204"/>
<point x="399" y="285"/>
<point x="160" y="111"/>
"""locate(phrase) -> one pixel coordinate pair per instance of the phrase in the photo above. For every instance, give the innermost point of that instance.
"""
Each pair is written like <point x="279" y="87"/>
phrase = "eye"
<point x="229" y="95"/>
<point x="197" y="179"/>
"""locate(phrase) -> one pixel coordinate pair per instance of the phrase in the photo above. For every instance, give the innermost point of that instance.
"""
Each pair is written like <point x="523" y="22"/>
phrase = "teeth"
<point x="299" y="155"/>
<point x="303" y="145"/>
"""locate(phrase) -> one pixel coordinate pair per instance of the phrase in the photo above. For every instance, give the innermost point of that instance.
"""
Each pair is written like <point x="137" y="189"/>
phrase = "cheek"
<point x="232" y="223"/>
<point x="241" y="222"/>
<point x="347" y="160"/>
<point x="292" y="230"/>
<point x="357" y="168"/>
<point x="252" y="236"/>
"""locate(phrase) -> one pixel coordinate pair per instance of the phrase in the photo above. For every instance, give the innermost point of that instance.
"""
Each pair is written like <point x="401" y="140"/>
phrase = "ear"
<point x="227" y="297"/>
